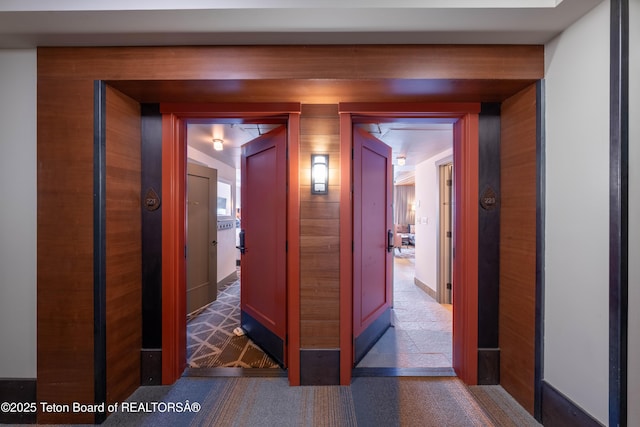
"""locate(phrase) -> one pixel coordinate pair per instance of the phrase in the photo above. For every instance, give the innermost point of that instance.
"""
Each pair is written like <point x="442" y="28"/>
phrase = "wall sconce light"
<point x="217" y="144"/>
<point x="319" y="174"/>
<point x="401" y="161"/>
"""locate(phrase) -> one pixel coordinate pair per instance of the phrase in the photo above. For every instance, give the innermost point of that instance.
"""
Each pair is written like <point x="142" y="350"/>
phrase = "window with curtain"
<point x="403" y="204"/>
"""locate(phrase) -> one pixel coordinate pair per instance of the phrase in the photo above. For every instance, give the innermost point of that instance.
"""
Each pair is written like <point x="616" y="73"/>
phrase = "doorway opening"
<point x="216" y="335"/>
<point x="420" y="335"/>
<point x="279" y="126"/>
<point x="464" y="121"/>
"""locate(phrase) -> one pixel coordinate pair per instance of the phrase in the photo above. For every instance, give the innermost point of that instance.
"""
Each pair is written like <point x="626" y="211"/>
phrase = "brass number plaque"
<point x="151" y="200"/>
<point x="488" y="199"/>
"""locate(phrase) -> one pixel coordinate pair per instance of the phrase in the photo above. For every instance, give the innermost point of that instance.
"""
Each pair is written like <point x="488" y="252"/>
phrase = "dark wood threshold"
<point x="235" y="372"/>
<point x="403" y="372"/>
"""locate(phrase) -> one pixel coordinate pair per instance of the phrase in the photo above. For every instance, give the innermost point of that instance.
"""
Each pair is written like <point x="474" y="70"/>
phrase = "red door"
<point x="263" y="242"/>
<point x="372" y="241"/>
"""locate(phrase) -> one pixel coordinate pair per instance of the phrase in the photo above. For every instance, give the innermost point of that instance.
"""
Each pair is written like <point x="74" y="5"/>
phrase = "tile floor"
<point x="421" y="336"/>
<point x="211" y="341"/>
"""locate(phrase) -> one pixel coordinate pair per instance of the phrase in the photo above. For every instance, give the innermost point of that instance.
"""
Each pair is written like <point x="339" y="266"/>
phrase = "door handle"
<point x="389" y="240"/>
<point x="242" y="248"/>
<point x="214" y="243"/>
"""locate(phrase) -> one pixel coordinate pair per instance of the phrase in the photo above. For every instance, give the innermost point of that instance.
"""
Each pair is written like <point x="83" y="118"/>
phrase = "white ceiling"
<point x="200" y="137"/>
<point x="31" y="23"/>
<point x="415" y="141"/>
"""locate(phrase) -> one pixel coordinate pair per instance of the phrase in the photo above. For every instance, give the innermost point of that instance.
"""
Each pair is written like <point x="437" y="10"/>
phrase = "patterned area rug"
<point x="211" y="342"/>
<point x="406" y="252"/>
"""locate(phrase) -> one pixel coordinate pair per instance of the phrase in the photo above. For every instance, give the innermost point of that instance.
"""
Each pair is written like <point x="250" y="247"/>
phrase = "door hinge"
<point x="353" y="246"/>
<point x="449" y="234"/>
<point x="449" y="183"/>
<point x="353" y="156"/>
<point x="286" y="246"/>
<point x="185" y="251"/>
<point x="448" y="285"/>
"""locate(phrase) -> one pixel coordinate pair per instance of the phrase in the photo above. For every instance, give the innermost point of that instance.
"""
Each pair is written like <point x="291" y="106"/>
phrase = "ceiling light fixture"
<point x="217" y="144"/>
<point x="401" y="161"/>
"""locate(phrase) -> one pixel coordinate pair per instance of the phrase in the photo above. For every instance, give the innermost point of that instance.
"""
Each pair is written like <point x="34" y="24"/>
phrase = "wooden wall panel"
<point x="307" y="74"/>
<point x="313" y="74"/>
<point x="65" y="246"/>
<point x="518" y="246"/>
<point x="363" y="62"/>
<point x="319" y="231"/>
<point x="123" y="246"/>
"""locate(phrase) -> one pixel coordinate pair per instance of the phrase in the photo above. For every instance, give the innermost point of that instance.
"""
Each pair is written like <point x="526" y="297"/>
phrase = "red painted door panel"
<point x="263" y="261"/>
<point x="372" y="220"/>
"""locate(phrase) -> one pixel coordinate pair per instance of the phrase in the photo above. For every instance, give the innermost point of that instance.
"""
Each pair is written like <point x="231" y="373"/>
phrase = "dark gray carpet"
<point x="368" y="402"/>
<point x="248" y="402"/>
<point x="502" y="407"/>
<point x="420" y="402"/>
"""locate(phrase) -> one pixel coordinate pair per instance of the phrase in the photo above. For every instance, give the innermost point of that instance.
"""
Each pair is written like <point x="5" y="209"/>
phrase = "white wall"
<point x="577" y="213"/>
<point x="18" y="213"/>
<point x="634" y="213"/>
<point x="226" y="238"/>
<point x="427" y="219"/>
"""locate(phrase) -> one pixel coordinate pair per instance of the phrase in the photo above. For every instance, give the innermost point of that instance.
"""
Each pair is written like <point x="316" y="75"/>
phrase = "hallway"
<point x="421" y="335"/>
<point x="211" y="341"/>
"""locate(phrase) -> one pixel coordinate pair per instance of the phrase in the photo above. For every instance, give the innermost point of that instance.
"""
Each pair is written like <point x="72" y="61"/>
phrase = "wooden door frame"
<point x="464" y="117"/>
<point x="174" y="158"/>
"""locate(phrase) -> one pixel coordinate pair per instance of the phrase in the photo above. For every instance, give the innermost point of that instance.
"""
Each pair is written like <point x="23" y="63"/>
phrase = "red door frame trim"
<point x="464" y="116"/>
<point x="174" y="157"/>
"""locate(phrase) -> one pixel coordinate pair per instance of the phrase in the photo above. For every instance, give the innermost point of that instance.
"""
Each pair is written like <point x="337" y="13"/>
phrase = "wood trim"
<point x="173" y="243"/>
<point x="425" y="288"/>
<point x="465" y="262"/>
<point x="465" y="117"/>
<point x="540" y="248"/>
<point x="393" y="111"/>
<point x="173" y="225"/>
<point x="464" y="62"/>
<point x="619" y="212"/>
<point x="100" y="247"/>
<point x="346" y="250"/>
<point x="293" y="253"/>
<point x="236" y="110"/>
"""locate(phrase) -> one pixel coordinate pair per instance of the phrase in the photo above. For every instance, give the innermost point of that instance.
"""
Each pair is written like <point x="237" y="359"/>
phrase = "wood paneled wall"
<point x="123" y="246"/>
<point x="319" y="230"/>
<point x="518" y="246"/>
<point x="65" y="246"/>
<point x="308" y="74"/>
